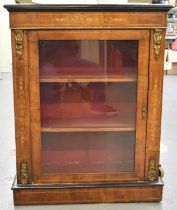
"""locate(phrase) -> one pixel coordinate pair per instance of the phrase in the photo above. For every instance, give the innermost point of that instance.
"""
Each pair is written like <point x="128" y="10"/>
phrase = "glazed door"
<point x="88" y="105"/>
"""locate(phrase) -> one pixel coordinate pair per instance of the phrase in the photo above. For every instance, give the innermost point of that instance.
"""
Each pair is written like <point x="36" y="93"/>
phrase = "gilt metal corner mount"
<point x="19" y="42"/>
<point x="24" y="172"/>
<point x="157" y="37"/>
<point x="152" y="170"/>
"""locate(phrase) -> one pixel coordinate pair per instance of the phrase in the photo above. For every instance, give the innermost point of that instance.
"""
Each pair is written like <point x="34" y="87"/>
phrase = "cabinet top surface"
<point x="88" y="7"/>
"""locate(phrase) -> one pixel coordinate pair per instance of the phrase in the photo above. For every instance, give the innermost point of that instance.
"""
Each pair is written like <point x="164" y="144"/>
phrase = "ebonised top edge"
<point x="88" y="7"/>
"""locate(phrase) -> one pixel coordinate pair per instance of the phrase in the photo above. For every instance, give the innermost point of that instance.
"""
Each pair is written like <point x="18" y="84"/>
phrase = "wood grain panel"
<point x="92" y="195"/>
<point x="90" y="34"/>
<point x="21" y="98"/>
<point x="154" y="105"/>
<point x="34" y="103"/>
<point x="86" y="19"/>
<point x="142" y="91"/>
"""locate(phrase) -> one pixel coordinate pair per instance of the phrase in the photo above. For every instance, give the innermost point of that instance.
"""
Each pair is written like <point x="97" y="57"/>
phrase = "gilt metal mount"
<point x="24" y="172"/>
<point x="152" y="170"/>
<point x="19" y="42"/>
<point x="157" y="36"/>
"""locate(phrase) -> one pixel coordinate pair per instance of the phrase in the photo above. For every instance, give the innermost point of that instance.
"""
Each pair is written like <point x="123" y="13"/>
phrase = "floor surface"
<point x="168" y="154"/>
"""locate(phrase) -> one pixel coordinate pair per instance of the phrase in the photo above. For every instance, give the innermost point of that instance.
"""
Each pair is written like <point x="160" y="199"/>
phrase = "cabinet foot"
<point x="161" y="171"/>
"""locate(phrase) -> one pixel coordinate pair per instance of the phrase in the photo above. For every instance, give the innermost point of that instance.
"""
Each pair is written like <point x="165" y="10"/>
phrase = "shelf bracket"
<point x="19" y="42"/>
<point x="152" y="170"/>
<point x="157" y="36"/>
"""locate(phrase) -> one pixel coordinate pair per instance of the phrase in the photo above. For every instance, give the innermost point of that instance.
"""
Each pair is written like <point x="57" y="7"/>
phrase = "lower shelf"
<point x="88" y="193"/>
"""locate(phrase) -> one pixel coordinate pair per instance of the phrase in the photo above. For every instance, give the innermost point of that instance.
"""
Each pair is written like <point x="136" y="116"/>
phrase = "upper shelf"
<point x="88" y="7"/>
<point x="124" y="78"/>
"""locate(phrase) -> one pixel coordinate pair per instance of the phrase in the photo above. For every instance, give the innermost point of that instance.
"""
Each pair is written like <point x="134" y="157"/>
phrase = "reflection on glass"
<point x="86" y="57"/>
<point x="88" y="104"/>
<point x="88" y="152"/>
<point x="88" y="84"/>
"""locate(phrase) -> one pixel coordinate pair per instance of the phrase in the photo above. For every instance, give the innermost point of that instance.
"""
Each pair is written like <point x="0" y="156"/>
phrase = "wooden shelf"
<point x="53" y="168"/>
<point x="65" y="121"/>
<point x="125" y="78"/>
<point x="97" y="129"/>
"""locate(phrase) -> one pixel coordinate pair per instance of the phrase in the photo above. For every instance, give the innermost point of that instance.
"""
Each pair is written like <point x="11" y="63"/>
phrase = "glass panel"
<point x="94" y="104"/>
<point x="86" y="85"/>
<point x="88" y="152"/>
<point x="86" y="57"/>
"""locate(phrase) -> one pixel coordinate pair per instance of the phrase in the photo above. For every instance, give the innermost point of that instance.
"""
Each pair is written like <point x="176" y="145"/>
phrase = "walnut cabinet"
<point x="88" y="90"/>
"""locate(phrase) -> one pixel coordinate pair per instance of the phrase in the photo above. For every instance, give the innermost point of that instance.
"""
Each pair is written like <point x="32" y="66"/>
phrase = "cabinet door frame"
<point x="143" y="36"/>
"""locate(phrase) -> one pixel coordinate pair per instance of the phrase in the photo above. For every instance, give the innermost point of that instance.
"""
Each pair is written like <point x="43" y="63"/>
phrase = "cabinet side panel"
<point x="21" y="102"/>
<point x="154" y="103"/>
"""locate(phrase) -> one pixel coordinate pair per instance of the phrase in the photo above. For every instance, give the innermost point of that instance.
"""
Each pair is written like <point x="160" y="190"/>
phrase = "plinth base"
<point x="87" y="193"/>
